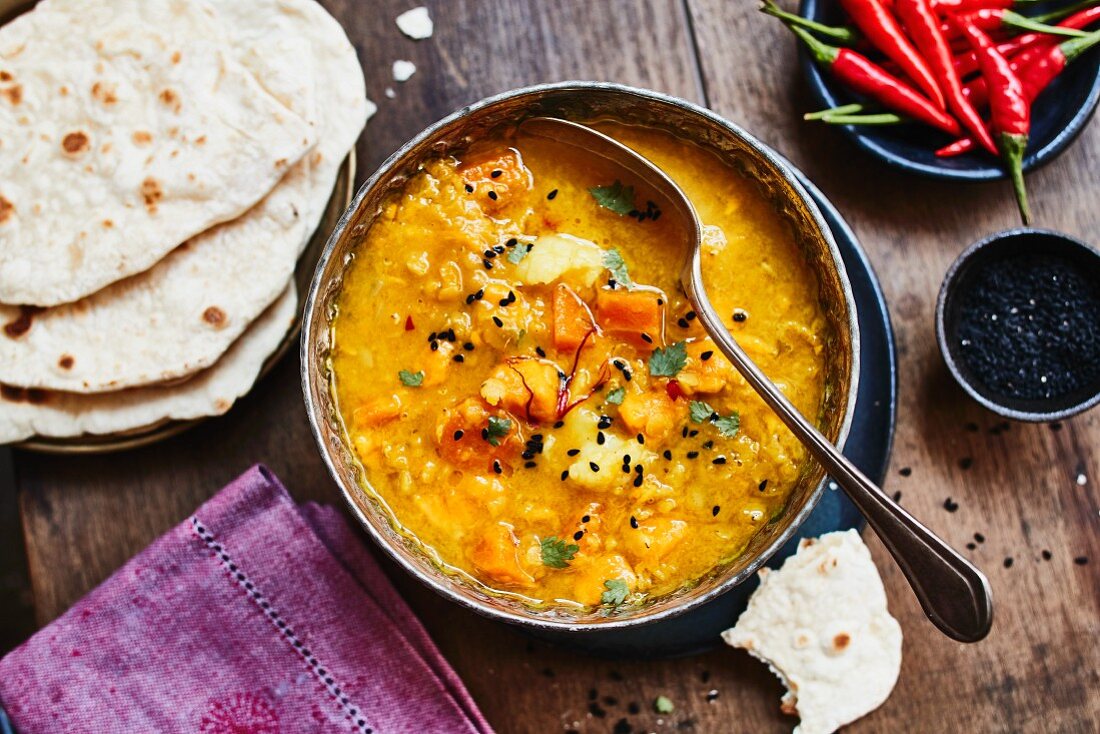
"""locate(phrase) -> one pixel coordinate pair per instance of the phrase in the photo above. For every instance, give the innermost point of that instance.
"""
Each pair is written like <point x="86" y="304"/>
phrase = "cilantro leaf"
<point x="615" y="397"/>
<point x="728" y="426"/>
<point x="616" y="592"/>
<point x="556" y="553"/>
<point x="669" y="361"/>
<point x="613" y="261"/>
<point x="663" y="705"/>
<point x="411" y="379"/>
<point x="700" y="411"/>
<point x="616" y="197"/>
<point x="518" y="253"/>
<point x="498" y="428"/>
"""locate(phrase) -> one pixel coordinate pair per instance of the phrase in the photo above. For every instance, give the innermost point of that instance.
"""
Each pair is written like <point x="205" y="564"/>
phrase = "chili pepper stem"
<point x="847" y="109"/>
<point x="845" y="36"/>
<point x="1074" y="47"/>
<point x="1012" y="150"/>
<point x="1023" y="23"/>
<point x="885" y="118"/>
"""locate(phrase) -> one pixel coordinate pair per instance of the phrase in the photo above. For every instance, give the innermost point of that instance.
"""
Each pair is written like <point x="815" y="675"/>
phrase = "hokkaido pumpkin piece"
<point x="572" y="319"/>
<point x="376" y="410"/>
<point x="653" y="414"/>
<point x="471" y="437"/>
<point x="593" y="573"/>
<point x="635" y="316"/>
<point x="497" y="556"/>
<point x="497" y="180"/>
<point x="528" y="388"/>
<point x="655" y="538"/>
<point x="706" y="370"/>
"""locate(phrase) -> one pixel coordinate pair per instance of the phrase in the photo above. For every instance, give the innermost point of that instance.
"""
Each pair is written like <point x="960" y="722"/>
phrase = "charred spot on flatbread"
<point x="170" y="99"/>
<point x="14" y="94"/>
<point x="66" y="362"/>
<point x="75" y="143"/>
<point x="151" y="193"/>
<point x="22" y="323"/>
<point x="32" y="395"/>
<point x="6" y="209"/>
<point x="142" y="137"/>
<point x="5" y="76"/>
<point x="215" y="317"/>
<point x="104" y="93"/>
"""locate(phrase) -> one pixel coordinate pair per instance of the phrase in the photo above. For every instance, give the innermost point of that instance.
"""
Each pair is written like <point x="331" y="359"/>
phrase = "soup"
<point x="529" y="391"/>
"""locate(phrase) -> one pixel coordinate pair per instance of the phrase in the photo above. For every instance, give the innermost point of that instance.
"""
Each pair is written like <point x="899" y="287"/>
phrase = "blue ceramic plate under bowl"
<point x="1058" y="116"/>
<point x="868" y="446"/>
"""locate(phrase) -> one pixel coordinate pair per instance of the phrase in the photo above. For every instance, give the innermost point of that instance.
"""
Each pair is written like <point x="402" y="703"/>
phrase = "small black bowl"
<point x="1057" y="117"/>
<point x="961" y="279"/>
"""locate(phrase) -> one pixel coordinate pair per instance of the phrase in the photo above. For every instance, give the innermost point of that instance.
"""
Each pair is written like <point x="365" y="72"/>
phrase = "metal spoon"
<point x="953" y="593"/>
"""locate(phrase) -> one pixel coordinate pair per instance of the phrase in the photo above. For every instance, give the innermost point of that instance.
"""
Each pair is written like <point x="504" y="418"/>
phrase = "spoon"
<point x="953" y="593"/>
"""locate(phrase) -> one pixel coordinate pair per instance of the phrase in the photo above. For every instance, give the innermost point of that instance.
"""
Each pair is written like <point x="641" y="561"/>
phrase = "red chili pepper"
<point x="1037" y="67"/>
<point x="924" y="29"/>
<point x="409" y="326"/>
<point x="1010" y="110"/>
<point x="879" y="26"/>
<point x="866" y="77"/>
<point x="998" y="19"/>
<point x="967" y="63"/>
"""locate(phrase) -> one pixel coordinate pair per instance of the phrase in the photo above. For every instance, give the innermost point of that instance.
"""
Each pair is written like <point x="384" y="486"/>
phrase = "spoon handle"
<point x="953" y="593"/>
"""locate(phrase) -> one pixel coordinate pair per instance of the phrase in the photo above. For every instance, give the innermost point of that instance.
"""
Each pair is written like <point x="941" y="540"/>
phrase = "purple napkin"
<point x="253" y="616"/>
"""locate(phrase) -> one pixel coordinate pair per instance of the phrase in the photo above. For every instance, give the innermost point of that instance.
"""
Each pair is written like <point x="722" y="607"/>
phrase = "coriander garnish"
<point x="518" y="253"/>
<point x="669" y="361"/>
<point x="701" y="411"/>
<point x="727" y="426"/>
<point x="613" y="261"/>
<point x="663" y="705"/>
<point x="498" y="428"/>
<point x="615" y="397"/>
<point x="616" y="197"/>
<point x="616" y="593"/>
<point x="556" y="553"/>
<point x="411" y="379"/>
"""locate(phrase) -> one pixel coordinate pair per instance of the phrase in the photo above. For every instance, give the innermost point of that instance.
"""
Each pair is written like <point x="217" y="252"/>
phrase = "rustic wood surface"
<point x="1024" y="489"/>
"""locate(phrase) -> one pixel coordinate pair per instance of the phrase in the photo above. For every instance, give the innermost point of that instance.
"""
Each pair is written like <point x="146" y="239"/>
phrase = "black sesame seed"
<point x="626" y="458"/>
<point x="470" y="299"/>
<point x="469" y="189"/>
<point x="905" y="471"/>
<point x="497" y="469"/>
<point x="693" y="433"/>
<point x="468" y="346"/>
<point x="638" y="480"/>
<point x="459" y="358"/>
<point x="979" y="537"/>
<point x="965" y="463"/>
<point x="667" y="454"/>
<point x="950" y="505"/>
<point x="1008" y="562"/>
<point x="633" y="522"/>
<point x="552" y="194"/>
<point x="498" y="322"/>
<point x="693" y="454"/>
<point x="496" y="173"/>
<point x="480" y="294"/>
<point x="578" y="535"/>
<point x="763" y="485"/>
<point x="739" y="316"/>
<point x="660" y="301"/>
<point x="565" y="475"/>
<point x="593" y="466"/>
<point x="647" y="338"/>
<point x="971" y="546"/>
<point x="600" y="438"/>
<point x="1047" y="555"/>
<point x="559" y="424"/>
<point x="690" y="316"/>
<point x="719" y="460"/>
<point x="682" y="323"/>
<point x="459" y="434"/>
<point x="435" y="346"/>
<point x="485" y="434"/>
<point x="706" y="355"/>
<point x="586" y="518"/>
<point x="715" y="510"/>
<point x="573" y="452"/>
<point x="708" y="444"/>
<point x="489" y="254"/>
<point x="604" y="422"/>
<point x="530" y="464"/>
<point x="1081" y="560"/>
<point x="711" y="695"/>
<point x="493" y="195"/>
<point x="897" y="496"/>
<point x="498" y="249"/>
<point x="511" y="242"/>
<point x="684" y="431"/>
<point x="432" y="337"/>
<point x="540" y="351"/>
<point x="640" y="438"/>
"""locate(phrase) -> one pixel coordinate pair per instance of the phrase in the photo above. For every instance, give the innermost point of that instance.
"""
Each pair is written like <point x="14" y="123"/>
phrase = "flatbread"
<point x="126" y="127"/>
<point x="820" y="622"/>
<point x="180" y="316"/>
<point x="342" y="105"/>
<point x="29" y="413"/>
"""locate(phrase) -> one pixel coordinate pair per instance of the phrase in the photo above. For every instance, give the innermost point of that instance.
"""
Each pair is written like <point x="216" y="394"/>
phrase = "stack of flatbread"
<point x="163" y="164"/>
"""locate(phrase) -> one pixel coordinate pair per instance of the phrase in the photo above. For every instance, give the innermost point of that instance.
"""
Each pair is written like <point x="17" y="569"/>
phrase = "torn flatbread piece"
<point x="127" y="127"/>
<point x="820" y="622"/>
<point x="25" y="413"/>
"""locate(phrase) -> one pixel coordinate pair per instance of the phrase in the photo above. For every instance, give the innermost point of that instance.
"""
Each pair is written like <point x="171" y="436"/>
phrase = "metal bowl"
<point x="579" y="101"/>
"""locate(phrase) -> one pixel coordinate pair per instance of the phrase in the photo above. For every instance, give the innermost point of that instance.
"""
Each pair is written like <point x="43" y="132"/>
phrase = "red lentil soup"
<point x="529" y="392"/>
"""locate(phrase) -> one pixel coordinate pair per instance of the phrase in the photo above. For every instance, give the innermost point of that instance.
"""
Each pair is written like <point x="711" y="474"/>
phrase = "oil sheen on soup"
<point x="530" y="393"/>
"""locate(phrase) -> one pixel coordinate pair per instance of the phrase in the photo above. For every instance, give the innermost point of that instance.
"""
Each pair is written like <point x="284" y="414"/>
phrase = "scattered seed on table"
<point x="965" y="463"/>
<point x="905" y="471"/>
<point x="1008" y="562"/>
<point x="1081" y="560"/>
<point x="950" y="505"/>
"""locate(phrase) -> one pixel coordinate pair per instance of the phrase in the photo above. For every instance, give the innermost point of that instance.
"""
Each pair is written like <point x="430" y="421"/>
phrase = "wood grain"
<point x="83" y="517"/>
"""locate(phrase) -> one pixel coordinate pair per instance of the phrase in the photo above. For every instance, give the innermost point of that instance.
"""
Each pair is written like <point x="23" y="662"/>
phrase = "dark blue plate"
<point x="1057" y="117"/>
<point x="868" y="445"/>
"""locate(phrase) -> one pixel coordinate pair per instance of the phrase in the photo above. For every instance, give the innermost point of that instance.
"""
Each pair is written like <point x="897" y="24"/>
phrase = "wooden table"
<point x="1025" y="489"/>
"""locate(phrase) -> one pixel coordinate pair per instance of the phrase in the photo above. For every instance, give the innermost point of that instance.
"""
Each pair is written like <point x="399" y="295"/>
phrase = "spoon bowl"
<point x="953" y="592"/>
